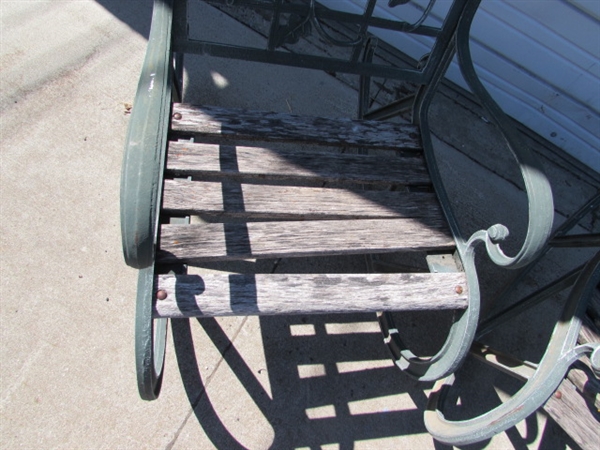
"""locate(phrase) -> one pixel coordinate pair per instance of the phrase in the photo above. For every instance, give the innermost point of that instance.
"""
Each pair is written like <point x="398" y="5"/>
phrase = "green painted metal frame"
<point x="141" y="191"/>
<point x="145" y="156"/>
<point x="562" y="351"/>
<point x="541" y="210"/>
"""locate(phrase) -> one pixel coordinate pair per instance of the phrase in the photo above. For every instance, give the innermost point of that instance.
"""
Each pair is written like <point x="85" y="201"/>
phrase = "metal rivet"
<point x="177" y="116"/>
<point x="161" y="295"/>
<point x="459" y="290"/>
<point x="558" y="395"/>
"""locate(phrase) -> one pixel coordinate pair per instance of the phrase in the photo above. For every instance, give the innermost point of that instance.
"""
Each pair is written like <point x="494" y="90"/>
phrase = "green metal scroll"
<point x="150" y="338"/>
<point x="537" y="186"/>
<point x="562" y="351"/>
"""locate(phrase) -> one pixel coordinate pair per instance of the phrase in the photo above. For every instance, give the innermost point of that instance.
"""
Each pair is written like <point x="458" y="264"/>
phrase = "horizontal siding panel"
<point x="535" y="120"/>
<point x="542" y="97"/>
<point x="543" y="35"/>
<point x="540" y="61"/>
<point x="566" y="21"/>
<point x="526" y="55"/>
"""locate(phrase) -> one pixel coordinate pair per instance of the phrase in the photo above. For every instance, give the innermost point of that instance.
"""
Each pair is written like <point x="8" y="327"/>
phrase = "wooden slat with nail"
<point x="221" y="242"/>
<point x="212" y="161"/>
<point x="210" y="295"/>
<point x="230" y="123"/>
<point x="250" y="201"/>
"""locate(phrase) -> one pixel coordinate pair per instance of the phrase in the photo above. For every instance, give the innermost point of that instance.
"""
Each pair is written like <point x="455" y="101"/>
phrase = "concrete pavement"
<point x="67" y="299"/>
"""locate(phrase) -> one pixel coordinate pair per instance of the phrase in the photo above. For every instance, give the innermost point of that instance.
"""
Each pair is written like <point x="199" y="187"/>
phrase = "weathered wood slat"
<point x="268" y="294"/>
<point x="271" y="126"/>
<point x="577" y="394"/>
<point x="300" y="203"/>
<point x="215" y="242"/>
<point x="210" y="160"/>
<point x="587" y="385"/>
<point x="588" y="331"/>
<point x="571" y="411"/>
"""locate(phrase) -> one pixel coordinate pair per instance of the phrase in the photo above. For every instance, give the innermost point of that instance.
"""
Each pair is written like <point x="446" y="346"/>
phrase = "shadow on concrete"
<point x="287" y="408"/>
<point x="137" y="14"/>
<point x="293" y="396"/>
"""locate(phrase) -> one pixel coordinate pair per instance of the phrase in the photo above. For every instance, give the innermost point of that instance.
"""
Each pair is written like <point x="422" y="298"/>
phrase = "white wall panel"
<point x="539" y="59"/>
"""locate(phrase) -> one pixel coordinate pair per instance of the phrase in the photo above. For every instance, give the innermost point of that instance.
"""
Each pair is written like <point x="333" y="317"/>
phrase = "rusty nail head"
<point x="177" y="116"/>
<point x="558" y="395"/>
<point x="161" y="294"/>
<point x="459" y="290"/>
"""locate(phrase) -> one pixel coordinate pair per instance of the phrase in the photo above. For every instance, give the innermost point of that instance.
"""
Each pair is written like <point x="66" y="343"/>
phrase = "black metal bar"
<point x="576" y="240"/>
<point x="528" y="302"/>
<point x="297" y="60"/>
<point x="391" y="109"/>
<point x="324" y="13"/>
<point x="365" y="80"/>
<point x="364" y="26"/>
<point x="272" y="43"/>
<point x="180" y="22"/>
<point x="441" y="47"/>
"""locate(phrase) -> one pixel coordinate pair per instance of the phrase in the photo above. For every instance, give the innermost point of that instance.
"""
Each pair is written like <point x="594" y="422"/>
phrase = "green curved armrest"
<point x="143" y="163"/>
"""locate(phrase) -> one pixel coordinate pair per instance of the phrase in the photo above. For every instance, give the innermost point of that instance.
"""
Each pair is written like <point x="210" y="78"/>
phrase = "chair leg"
<point x="150" y="338"/>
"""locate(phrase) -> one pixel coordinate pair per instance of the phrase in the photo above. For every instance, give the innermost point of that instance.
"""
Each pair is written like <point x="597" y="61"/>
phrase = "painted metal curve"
<point x="143" y="162"/>
<point x="462" y="332"/>
<point x="456" y="346"/>
<point x="150" y="338"/>
<point x="141" y="191"/>
<point x="561" y="352"/>
<point x="537" y="186"/>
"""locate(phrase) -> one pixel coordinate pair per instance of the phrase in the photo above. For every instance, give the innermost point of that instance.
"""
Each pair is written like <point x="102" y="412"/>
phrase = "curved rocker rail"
<point x="560" y="354"/>
<point x="141" y="190"/>
<point x="143" y="164"/>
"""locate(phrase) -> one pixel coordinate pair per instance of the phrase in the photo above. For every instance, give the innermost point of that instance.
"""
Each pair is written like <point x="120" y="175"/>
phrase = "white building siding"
<point x="540" y="60"/>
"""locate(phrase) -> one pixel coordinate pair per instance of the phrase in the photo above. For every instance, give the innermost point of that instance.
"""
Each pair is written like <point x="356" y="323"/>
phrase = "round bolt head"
<point x="161" y="294"/>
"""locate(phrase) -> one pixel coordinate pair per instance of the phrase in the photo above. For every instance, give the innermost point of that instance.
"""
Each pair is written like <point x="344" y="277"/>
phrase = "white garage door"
<point x="539" y="59"/>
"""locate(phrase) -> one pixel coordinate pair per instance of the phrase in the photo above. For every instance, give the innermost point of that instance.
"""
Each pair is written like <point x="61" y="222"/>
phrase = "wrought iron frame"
<point x="160" y="83"/>
<point x="541" y="380"/>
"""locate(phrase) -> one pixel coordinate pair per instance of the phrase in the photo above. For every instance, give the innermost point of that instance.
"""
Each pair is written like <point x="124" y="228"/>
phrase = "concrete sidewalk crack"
<point x="196" y="402"/>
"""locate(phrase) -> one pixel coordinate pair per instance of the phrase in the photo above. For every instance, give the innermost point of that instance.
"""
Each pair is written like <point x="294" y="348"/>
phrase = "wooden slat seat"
<point x="235" y="212"/>
<point x="247" y="163"/>
<point x="221" y="242"/>
<point x="262" y="200"/>
<point x="238" y="124"/>
<point x="212" y="295"/>
<point x="251" y="201"/>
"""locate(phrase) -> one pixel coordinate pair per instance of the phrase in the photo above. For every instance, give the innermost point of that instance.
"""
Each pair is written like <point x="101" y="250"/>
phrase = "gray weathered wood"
<point x="587" y="385"/>
<point x="300" y="203"/>
<point x="269" y="294"/>
<point x="239" y="162"/>
<point x="577" y="394"/>
<point x="570" y="410"/>
<point x="588" y="332"/>
<point x="272" y="126"/>
<point x="215" y="242"/>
